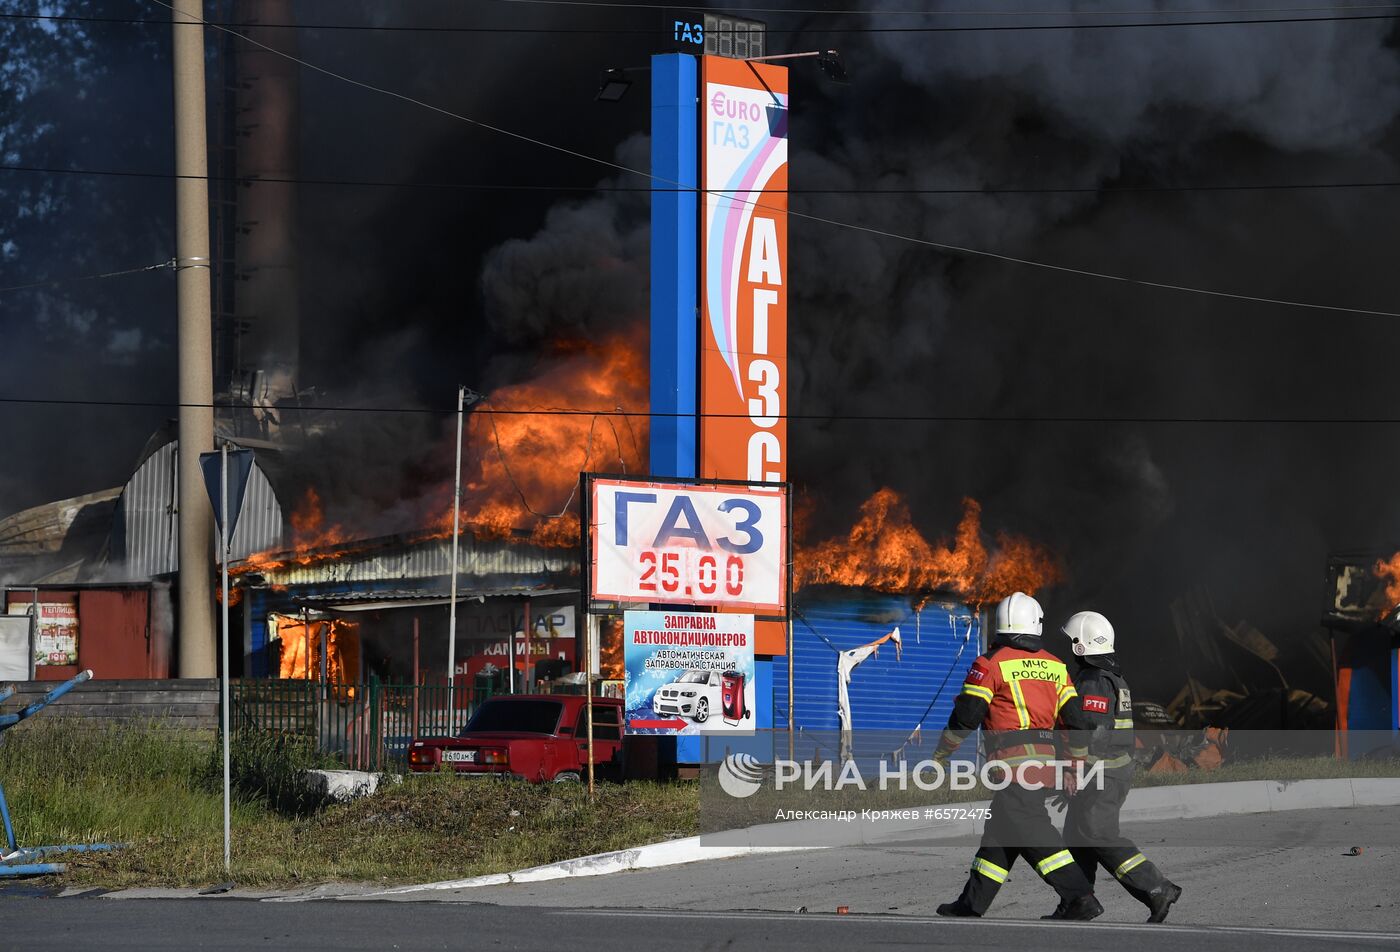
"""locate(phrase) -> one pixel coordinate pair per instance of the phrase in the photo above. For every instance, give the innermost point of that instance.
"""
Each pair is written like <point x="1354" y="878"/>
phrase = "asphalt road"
<point x="1271" y="882"/>
<point x="158" y="925"/>
<point x="1277" y="870"/>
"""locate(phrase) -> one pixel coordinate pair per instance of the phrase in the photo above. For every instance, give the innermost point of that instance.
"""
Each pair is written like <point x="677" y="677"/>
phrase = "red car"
<point x="535" y="737"/>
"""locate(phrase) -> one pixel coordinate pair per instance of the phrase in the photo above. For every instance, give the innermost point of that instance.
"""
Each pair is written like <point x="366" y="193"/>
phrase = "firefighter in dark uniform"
<point x="1016" y="692"/>
<point x="1105" y="704"/>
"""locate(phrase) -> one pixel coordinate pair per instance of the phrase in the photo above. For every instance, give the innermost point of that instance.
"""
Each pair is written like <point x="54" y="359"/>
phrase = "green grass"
<point x="68" y="782"/>
<point x="157" y="791"/>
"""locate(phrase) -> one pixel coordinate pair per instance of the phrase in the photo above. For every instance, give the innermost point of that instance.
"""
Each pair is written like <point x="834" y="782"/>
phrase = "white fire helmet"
<point x="1090" y="632"/>
<point x="1018" y="614"/>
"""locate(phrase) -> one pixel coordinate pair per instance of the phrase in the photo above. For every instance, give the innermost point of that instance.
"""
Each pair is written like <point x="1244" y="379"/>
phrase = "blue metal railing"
<point x="21" y="862"/>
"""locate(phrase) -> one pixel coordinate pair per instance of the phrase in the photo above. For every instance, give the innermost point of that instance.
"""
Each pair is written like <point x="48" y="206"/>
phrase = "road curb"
<point x="1190" y="801"/>
<point x="1183" y="801"/>
<point x="691" y="849"/>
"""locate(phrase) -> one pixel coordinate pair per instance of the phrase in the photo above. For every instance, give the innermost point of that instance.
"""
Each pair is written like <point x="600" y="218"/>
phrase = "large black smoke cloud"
<point x="407" y="292"/>
<point x="1141" y="511"/>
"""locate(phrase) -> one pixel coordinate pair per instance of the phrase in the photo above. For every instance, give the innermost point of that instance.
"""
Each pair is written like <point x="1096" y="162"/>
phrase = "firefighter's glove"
<point x="1059" y="801"/>
<point x="1069" y="779"/>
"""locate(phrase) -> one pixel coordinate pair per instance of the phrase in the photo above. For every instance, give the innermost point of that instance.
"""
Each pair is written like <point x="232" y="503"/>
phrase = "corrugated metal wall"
<point x="146" y="536"/>
<point x="887" y="695"/>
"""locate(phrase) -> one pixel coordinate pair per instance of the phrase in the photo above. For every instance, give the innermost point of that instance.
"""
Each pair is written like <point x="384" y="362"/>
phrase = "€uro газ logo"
<point x="740" y="775"/>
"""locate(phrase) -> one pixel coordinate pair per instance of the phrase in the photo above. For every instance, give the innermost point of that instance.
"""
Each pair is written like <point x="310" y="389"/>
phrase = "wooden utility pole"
<point x="196" y="359"/>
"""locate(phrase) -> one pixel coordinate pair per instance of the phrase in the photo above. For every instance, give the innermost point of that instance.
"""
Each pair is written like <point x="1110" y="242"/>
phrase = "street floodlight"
<point x="614" y="86"/>
<point x="829" y="61"/>
<point x="832" y="67"/>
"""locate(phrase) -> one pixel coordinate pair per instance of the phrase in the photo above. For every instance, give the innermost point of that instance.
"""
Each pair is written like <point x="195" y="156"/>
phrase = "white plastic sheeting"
<point x="16" y="650"/>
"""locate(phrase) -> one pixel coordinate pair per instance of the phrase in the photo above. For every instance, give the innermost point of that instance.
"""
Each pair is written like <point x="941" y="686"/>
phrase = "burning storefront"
<point x="346" y="611"/>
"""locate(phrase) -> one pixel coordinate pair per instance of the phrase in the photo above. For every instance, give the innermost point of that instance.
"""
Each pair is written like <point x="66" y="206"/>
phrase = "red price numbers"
<point x="672" y="573"/>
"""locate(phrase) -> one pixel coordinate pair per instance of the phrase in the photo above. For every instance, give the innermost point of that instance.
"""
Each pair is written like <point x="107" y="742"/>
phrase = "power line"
<point x="594" y="413"/>
<point x="88" y="277"/>
<point x="941" y="246"/>
<point x="606" y="189"/>
<point x="615" y="31"/>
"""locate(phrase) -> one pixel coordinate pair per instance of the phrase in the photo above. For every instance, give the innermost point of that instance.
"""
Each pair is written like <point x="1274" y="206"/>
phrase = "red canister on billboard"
<point x="732" y="697"/>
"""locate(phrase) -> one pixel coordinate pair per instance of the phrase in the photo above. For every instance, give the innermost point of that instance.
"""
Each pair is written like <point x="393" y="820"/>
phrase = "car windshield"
<point x="694" y="677"/>
<point x="526" y="716"/>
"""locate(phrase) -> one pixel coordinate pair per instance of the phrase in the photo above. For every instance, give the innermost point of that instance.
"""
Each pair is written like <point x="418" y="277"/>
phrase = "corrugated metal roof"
<point x="348" y="602"/>
<point x="390" y="559"/>
<point x="146" y="536"/>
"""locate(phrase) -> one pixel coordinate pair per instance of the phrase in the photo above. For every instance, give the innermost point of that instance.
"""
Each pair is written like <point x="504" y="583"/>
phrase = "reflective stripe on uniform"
<point x="1122" y="722"/>
<point x="1129" y="864"/>
<point x="991" y="870"/>
<point x="1067" y="694"/>
<point x="1120" y="761"/>
<point x="1018" y="759"/>
<point x="976" y="690"/>
<point x="1053" y="862"/>
<point x="1023" y="716"/>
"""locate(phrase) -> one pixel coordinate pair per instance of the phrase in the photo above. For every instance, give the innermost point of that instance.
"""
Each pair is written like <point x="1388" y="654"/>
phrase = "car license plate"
<point x="459" y="756"/>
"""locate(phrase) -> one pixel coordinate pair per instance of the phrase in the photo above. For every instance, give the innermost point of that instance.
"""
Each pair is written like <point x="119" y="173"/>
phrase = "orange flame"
<point x="610" y="663"/>
<point x="301" y="648"/>
<point x="309" y="532"/>
<point x="1390" y="569"/>
<point x="885" y="551"/>
<point x="521" y="472"/>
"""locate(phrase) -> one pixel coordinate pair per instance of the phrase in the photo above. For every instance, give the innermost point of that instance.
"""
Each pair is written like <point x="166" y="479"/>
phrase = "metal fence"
<point x="368" y="726"/>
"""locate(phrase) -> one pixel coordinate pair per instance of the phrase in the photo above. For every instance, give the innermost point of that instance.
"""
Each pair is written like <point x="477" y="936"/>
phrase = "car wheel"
<point x="567" y="776"/>
<point x="702" y="710"/>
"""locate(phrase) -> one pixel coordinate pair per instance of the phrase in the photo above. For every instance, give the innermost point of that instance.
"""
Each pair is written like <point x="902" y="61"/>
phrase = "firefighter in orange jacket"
<point x="1016" y="692"/>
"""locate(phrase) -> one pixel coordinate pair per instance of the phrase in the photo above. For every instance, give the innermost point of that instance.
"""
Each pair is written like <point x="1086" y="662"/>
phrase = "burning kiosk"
<point x="1362" y="615"/>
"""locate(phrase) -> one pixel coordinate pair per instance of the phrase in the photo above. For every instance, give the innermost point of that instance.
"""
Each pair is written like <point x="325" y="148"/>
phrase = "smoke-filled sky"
<point x="1098" y="149"/>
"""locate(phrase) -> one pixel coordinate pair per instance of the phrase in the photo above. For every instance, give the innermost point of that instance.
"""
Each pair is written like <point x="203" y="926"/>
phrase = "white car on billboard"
<point x="695" y="694"/>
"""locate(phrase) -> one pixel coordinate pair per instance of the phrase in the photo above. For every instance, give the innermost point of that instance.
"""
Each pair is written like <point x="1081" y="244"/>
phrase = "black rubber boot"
<point x="1059" y="912"/>
<point x="1160" y="901"/>
<point x="958" y="909"/>
<point x="1082" y="909"/>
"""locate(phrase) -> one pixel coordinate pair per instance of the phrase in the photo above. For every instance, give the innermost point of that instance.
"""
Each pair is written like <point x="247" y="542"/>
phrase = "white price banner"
<point x="689" y="545"/>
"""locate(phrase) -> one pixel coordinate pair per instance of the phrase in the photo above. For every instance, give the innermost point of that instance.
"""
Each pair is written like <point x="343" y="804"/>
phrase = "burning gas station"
<point x="706" y="406"/>
<point x="495" y="596"/>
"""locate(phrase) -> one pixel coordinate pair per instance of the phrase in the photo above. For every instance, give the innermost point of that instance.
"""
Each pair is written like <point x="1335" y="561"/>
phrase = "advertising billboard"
<point x="688" y="673"/>
<point x="716" y="546"/>
<point x="743" y="271"/>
